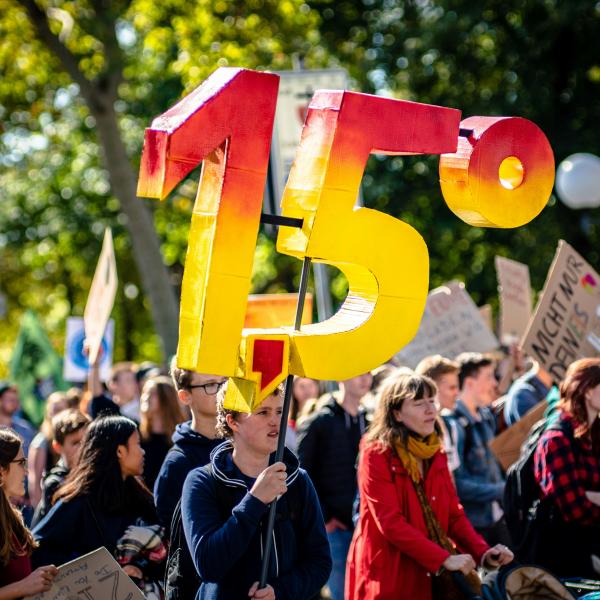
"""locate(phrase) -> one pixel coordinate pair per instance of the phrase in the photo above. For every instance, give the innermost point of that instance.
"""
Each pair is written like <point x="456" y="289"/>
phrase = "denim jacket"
<point x="479" y="479"/>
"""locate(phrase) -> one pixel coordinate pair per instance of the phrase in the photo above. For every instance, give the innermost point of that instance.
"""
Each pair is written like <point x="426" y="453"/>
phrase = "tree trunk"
<point x="146" y="249"/>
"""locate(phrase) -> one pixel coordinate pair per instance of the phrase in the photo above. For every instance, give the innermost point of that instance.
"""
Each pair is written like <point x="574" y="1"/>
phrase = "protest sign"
<point x="76" y="364"/>
<point x="274" y="310"/>
<point x="451" y="324"/>
<point x="101" y="297"/>
<point x="566" y="323"/>
<point x="95" y="576"/>
<point x="486" y="314"/>
<point x="507" y="446"/>
<point x="514" y="288"/>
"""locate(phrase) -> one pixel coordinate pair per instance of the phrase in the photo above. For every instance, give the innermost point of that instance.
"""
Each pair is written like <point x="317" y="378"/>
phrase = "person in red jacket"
<point x="412" y="531"/>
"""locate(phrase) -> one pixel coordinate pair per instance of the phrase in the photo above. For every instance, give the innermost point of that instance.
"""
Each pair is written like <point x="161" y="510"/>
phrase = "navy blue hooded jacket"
<point x="227" y="545"/>
<point x="190" y="450"/>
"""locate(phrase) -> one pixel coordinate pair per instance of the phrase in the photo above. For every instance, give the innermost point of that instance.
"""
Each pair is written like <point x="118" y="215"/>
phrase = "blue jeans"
<point x="339" y="544"/>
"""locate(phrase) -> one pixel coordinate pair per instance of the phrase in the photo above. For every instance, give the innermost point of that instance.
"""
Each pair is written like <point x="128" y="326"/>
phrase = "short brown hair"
<point x="67" y="422"/>
<point x="222" y="428"/>
<point x="469" y="364"/>
<point x="182" y="378"/>
<point x="436" y="366"/>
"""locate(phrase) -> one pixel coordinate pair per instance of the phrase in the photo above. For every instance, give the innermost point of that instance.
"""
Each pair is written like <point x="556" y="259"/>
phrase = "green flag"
<point x="35" y="367"/>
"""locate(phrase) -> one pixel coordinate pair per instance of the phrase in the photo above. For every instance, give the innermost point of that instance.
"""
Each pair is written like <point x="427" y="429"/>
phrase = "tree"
<point x="535" y="59"/>
<point x="82" y="80"/>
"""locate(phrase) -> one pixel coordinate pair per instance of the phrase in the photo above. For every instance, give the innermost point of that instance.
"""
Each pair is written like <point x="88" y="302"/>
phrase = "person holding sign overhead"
<point x="16" y="542"/>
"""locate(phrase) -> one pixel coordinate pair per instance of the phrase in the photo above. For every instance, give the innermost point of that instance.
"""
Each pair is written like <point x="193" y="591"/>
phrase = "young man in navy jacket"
<point x="225" y="507"/>
<point x="193" y="441"/>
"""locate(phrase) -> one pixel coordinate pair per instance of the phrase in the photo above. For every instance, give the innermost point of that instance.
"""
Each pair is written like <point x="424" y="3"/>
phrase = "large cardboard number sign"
<point x="227" y="123"/>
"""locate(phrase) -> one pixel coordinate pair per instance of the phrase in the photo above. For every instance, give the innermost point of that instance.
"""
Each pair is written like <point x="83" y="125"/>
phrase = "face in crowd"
<point x="358" y="386"/>
<point x="201" y="394"/>
<point x="9" y="402"/>
<point x="418" y="415"/>
<point x="131" y="456"/>
<point x="258" y="432"/>
<point x="448" y="389"/>
<point x="482" y="385"/>
<point x="12" y="478"/>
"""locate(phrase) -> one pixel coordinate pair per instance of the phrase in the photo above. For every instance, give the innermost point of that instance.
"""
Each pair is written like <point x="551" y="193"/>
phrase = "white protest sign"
<point x="451" y="324"/>
<point x="101" y="297"/>
<point x="566" y="323"/>
<point x="514" y="288"/>
<point x="95" y="576"/>
<point x="76" y="364"/>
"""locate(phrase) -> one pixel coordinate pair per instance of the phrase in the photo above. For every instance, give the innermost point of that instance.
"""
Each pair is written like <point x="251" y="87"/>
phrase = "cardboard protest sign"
<point x="507" y="446"/>
<point x="101" y="297"/>
<point x="76" y="364"/>
<point x="514" y="288"/>
<point x="95" y="576"/>
<point x="451" y="324"/>
<point x="566" y="323"/>
<point x="275" y="310"/>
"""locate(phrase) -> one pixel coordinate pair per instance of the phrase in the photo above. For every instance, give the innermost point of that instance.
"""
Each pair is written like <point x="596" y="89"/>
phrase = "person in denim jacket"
<point x="479" y="479"/>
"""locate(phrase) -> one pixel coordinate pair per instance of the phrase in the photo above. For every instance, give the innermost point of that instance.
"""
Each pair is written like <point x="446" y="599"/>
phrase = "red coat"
<point x="391" y="556"/>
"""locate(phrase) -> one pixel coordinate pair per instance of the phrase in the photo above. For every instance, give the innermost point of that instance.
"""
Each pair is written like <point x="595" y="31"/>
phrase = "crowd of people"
<point x="387" y="489"/>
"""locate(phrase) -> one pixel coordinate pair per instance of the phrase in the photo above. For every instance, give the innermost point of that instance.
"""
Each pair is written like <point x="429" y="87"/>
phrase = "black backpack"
<point x="522" y="492"/>
<point x="181" y="578"/>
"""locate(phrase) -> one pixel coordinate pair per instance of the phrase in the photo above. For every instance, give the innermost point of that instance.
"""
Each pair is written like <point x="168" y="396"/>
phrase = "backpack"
<point x="181" y="578"/>
<point x="522" y="492"/>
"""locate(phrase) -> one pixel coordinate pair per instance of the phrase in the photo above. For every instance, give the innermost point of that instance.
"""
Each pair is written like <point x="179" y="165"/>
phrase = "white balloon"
<point x="578" y="180"/>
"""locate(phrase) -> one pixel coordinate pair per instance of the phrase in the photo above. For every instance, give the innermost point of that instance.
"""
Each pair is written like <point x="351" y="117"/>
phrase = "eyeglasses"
<point x="22" y="462"/>
<point x="210" y="389"/>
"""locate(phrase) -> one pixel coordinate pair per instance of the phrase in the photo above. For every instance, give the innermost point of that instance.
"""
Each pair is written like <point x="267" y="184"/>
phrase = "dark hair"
<point x="67" y="422"/>
<point x="469" y="364"/>
<point x="122" y="367"/>
<point x="15" y="538"/>
<point x="222" y="427"/>
<point x="436" y="366"/>
<point x="182" y="378"/>
<point x="98" y="473"/>
<point x="581" y="376"/>
<point x="397" y="388"/>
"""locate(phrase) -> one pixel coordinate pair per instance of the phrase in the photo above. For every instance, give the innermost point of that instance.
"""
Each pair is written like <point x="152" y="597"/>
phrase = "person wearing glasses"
<point x="193" y="441"/>
<point x="16" y="541"/>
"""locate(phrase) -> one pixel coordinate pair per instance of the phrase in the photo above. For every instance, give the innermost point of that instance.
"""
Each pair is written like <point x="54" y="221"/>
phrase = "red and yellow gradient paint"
<point x="501" y="175"/>
<point x="384" y="259"/>
<point x="227" y="123"/>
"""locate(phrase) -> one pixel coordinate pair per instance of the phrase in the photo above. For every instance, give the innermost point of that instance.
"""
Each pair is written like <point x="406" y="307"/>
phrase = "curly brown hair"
<point x="222" y="427"/>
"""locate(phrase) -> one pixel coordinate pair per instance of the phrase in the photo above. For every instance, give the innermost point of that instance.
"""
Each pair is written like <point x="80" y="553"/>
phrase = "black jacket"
<point x="328" y="447"/>
<point x="227" y="541"/>
<point x="190" y="450"/>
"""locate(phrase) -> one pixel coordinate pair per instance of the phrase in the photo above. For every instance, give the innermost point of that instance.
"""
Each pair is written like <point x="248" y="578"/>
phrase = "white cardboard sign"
<point x="76" y="364"/>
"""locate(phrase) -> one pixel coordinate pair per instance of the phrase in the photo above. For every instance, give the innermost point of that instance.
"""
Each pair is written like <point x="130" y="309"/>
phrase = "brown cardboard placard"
<point x="101" y="297"/>
<point x="95" y="576"/>
<point x="566" y="322"/>
<point x="514" y="290"/>
<point x="507" y="446"/>
<point x="451" y="324"/>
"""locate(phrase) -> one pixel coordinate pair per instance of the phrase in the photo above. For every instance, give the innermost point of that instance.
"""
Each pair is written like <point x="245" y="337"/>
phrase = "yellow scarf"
<point x="417" y="448"/>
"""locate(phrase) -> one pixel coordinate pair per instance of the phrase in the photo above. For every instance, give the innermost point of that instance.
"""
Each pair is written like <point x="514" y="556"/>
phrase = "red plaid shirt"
<point x="565" y="476"/>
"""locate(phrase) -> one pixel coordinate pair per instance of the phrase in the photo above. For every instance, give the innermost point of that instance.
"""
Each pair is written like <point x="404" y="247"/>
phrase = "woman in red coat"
<point x="412" y="530"/>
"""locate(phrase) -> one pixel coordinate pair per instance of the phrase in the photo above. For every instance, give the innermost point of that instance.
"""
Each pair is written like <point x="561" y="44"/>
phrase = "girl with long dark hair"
<point x="16" y="541"/>
<point x="411" y="525"/>
<point x="101" y="498"/>
<point x="567" y="469"/>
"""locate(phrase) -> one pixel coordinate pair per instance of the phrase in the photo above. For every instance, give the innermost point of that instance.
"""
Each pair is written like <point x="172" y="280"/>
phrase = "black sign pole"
<point x="287" y="400"/>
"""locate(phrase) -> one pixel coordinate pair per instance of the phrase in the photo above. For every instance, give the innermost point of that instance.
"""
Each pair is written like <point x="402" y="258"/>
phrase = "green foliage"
<point x="56" y="191"/>
<point x="536" y="59"/>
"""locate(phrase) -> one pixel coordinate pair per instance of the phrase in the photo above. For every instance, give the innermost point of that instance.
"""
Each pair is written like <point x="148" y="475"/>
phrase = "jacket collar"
<point x="225" y="470"/>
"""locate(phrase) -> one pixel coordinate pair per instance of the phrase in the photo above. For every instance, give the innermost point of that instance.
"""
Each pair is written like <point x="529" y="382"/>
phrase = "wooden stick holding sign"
<point x="101" y="298"/>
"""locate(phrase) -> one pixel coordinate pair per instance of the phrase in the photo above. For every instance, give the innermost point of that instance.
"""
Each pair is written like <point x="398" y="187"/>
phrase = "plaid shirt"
<point x="565" y="477"/>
